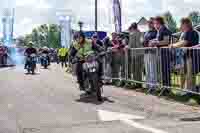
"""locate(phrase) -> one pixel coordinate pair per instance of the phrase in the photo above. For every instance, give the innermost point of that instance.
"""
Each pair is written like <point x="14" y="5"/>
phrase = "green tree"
<point x="170" y="21"/>
<point x="27" y="39"/>
<point x="54" y="36"/>
<point x="35" y="36"/>
<point x="21" y="41"/>
<point x="195" y="17"/>
<point x="44" y="35"/>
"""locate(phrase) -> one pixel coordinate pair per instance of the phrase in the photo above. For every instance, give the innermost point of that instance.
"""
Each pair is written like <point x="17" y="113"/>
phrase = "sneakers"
<point x="81" y="87"/>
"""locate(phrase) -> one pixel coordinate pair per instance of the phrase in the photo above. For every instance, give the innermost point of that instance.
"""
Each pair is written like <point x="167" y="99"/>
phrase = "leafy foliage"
<point x="195" y="17"/>
<point x="44" y="35"/>
<point x="171" y="23"/>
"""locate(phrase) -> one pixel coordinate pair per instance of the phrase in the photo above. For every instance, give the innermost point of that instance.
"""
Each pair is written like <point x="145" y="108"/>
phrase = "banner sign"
<point x="117" y="15"/>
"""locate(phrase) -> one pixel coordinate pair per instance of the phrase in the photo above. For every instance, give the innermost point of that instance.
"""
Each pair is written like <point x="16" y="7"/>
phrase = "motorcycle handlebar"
<point x="77" y="60"/>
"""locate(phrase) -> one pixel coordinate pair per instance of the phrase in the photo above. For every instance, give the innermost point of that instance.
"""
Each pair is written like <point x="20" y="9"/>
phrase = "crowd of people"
<point x="158" y="41"/>
<point x="157" y="56"/>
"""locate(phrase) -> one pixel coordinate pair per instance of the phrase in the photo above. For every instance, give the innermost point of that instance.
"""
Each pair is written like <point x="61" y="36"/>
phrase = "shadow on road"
<point x="190" y="119"/>
<point x="32" y="74"/>
<point x="93" y="100"/>
<point x="48" y="68"/>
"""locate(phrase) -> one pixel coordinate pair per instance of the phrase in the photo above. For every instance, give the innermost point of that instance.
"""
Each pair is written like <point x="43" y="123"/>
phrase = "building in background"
<point x="143" y="24"/>
<point x="64" y="18"/>
<point x="8" y="26"/>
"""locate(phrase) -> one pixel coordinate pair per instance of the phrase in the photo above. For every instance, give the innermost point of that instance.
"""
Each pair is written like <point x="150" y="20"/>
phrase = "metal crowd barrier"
<point x="156" y="68"/>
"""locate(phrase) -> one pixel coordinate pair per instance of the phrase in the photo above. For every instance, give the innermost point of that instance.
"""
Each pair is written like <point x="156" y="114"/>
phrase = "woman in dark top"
<point x="150" y="57"/>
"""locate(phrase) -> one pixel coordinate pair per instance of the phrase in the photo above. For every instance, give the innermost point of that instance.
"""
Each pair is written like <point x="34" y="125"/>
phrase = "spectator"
<point x="107" y="43"/>
<point x="124" y="43"/>
<point x="115" y="63"/>
<point x="107" y="62"/>
<point x="95" y="40"/>
<point x="135" y="61"/>
<point x="150" y="57"/>
<point x="190" y="38"/>
<point x="163" y="39"/>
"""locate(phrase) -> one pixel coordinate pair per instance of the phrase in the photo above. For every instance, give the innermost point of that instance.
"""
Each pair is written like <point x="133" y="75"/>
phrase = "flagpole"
<point x="96" y="15"/>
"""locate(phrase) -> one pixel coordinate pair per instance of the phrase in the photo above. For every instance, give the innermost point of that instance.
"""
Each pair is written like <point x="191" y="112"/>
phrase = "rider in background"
<point x="30" y="50"/>
<point x="63" y="54"/>
<point x="46" y="51"/>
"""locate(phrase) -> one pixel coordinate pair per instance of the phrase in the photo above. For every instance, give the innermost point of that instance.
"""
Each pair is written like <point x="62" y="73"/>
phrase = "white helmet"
<point x="45" y="48"/>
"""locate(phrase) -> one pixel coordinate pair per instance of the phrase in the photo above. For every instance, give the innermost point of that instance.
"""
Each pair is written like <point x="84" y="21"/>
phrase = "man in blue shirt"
<point x="163" y="39"/>
<point x="190" y="38"/>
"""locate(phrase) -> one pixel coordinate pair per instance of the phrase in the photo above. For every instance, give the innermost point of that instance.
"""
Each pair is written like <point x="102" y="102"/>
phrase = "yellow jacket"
<point x="63" y="52"/>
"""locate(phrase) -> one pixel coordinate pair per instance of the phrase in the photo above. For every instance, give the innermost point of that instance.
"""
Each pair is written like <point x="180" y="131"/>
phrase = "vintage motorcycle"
<point x="31" y="63"/>
<point x="91" y="68"/>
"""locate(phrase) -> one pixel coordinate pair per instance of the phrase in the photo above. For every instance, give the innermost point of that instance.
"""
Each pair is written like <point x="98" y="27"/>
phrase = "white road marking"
<point x="6" y="69"/>
<point x="112" y="116"/>
<point x="127" y="119"/>
<point x="141" y="126"/>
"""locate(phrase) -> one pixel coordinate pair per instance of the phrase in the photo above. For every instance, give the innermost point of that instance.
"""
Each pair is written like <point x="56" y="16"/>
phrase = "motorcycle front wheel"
<point x="95" y="84"/>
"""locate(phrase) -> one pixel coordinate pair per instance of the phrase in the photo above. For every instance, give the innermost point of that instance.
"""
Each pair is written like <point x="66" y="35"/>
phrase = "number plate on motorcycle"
<point x="90" y="65"/>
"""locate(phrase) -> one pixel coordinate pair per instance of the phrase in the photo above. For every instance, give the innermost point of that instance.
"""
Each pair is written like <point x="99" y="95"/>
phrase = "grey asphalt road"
<point x="49" y="102"/>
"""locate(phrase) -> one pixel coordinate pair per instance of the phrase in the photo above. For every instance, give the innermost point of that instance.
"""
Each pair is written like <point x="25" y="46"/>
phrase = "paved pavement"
<point x="49" y="102"/>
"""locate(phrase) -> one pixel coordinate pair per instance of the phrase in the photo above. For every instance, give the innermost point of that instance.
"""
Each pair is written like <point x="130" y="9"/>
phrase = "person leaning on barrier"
<point x="107" y="61"/>
<point x="190" y="38"/>
<point x="150" y="57"/>
<point x="117" y="51"/>
<point x="163" y="39"/>
<point x="135" y="60"/>
<point x="115" y="57"/>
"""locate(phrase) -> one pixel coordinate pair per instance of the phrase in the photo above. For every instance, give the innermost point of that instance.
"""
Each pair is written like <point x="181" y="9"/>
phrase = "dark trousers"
<point x="166" y="67"/>
<point x="100" y="69"/>
<point x="79" y="74"/>
<point x="63" y="61"/>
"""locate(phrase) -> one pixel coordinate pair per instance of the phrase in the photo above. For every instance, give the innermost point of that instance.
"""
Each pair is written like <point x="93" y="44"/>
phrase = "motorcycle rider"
<point x="30" y="50"/>
<point x="82" y="49"/>
<point x="46" y="51"/>
<point x="63" y="54"/>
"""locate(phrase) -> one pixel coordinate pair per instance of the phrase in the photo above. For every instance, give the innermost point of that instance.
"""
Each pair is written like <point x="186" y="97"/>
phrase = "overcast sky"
<point x="30" y="13"/>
